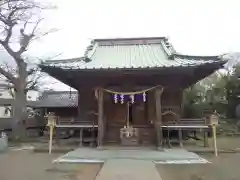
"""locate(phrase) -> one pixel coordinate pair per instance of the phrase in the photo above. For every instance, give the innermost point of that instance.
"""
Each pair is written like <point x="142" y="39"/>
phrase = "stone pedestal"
<point x="3" y="142"/>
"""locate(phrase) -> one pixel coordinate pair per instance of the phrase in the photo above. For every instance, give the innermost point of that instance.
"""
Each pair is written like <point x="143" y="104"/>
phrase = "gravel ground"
<point x="224" y="167"/>
<point x="25" y="165"/>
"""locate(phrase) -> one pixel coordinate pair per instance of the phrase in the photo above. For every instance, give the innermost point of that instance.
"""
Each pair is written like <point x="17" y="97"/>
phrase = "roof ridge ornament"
<point x="166" y="48"/>
<point x="90" y="50"/>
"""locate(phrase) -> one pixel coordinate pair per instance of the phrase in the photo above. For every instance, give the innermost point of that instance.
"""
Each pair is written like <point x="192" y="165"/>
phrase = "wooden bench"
<point x="74" y="123"/>
<point x="184" y="124"/>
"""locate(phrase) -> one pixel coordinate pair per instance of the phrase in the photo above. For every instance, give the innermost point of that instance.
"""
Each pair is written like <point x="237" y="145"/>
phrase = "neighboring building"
<point x="131" y="83"/>
<point x="6" y="100"/>
<point x="5" y="109"/>
<point x="62" y="103"/>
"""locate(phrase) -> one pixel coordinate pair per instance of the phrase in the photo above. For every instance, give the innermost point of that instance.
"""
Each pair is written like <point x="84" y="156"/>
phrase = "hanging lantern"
<point x="132" y="98"/>
<point x="144" y="97"/>
<point x="115" y="98"/>
<point x="122" y="98"/>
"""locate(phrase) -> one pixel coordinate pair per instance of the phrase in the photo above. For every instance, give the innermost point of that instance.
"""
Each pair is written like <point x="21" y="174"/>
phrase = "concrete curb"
<point x="211" y="151"/>
<point x="54" y="150"/>
<point x="202" y="151"/>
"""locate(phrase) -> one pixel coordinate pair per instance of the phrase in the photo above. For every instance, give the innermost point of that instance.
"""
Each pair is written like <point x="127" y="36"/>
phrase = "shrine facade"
<point x="127" y="86"/>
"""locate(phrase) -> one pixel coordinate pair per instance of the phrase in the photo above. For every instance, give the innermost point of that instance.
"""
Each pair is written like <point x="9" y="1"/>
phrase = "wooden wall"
<point x="171" y="101"/>
<point x="116" y="115"/>
<point x="87" y="103"/>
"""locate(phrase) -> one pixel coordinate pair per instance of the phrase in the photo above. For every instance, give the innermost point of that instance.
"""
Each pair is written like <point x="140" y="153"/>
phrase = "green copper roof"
<point x="128" y="53"/>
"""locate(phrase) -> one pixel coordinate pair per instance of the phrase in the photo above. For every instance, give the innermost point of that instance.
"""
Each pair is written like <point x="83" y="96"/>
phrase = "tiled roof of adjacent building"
<point x="58" y="99"/>
<point x="128" y="53"/>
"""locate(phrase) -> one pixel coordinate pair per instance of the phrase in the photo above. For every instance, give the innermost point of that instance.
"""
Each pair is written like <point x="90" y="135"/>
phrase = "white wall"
<point x="4" y="113"/>
<point x="31" y="95"/>
<point x="5" y="94"/>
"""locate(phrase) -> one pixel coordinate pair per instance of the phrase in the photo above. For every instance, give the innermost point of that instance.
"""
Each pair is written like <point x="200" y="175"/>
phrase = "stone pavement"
<point x="127" y="169"/>
<point x="82" y="155"/>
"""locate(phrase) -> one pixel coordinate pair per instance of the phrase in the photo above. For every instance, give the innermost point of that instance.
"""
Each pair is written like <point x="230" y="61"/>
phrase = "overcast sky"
<point x="195" y="27"/>
<point x="199" y="27"/>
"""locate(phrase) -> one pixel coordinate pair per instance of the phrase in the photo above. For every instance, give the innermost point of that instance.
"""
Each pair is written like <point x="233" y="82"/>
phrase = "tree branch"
<point x="36" y="25"/>
<point x="2" y="19"/>
<point x="20" y="14"/>
<point x="44" y="34"/>
<point x="8" y="75"/>
<point x="27" y="38"/>
<point x="17" y="57"/>
<point x="10" y="22"/>
<point x="9" y="34"/>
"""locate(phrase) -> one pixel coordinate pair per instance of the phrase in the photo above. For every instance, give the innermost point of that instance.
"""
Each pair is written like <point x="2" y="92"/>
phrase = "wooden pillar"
<point x="57" y="130"/>
<point x="158" y="120"/>
<point x="180" y="132"/>
<point x="100" y="118"/>
<point x="81" y="137"/>
<point x="205" y="136"/>
<point x="78" y="109"/>
<point x="180" y="137"/>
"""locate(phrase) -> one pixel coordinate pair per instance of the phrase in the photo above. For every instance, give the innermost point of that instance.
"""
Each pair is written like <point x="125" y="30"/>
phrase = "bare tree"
<point x="19" y="26"/>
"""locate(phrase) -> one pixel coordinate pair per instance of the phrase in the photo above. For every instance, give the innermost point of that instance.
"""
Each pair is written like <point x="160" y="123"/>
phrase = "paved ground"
<point x="89" y="154"/>
<point x="126" y="169"/>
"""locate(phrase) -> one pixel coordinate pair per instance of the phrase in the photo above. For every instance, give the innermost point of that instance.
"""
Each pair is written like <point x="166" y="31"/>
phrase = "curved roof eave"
<point x="184" y="56"/>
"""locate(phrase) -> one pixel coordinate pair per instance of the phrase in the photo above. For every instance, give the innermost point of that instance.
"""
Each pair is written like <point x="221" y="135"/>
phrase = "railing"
<point x="74" y="121"/>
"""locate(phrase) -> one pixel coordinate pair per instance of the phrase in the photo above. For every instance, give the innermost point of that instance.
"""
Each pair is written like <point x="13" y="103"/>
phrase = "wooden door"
<point x="116" y="115"/>
<point x="139" y="113"/>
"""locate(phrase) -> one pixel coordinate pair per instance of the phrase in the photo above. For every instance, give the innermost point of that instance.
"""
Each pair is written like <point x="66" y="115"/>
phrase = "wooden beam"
<point x="100" y="118"/>
<point x="158" y="120"/>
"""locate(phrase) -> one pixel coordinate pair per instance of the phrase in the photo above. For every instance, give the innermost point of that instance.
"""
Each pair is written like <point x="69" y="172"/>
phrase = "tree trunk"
<point x="19" y="116"/>
<point x="20" y="104"/>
